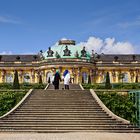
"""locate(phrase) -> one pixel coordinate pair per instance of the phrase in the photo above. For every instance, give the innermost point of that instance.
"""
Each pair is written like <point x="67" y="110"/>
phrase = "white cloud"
<point x="92" y="44"/>
<point x="6" y="53"/>
<point x="108" y="46"/>
<point x="7" y="19"/>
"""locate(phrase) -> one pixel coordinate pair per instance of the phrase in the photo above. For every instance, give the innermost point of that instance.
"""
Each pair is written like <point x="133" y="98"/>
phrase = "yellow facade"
<point x="77" y="72"/>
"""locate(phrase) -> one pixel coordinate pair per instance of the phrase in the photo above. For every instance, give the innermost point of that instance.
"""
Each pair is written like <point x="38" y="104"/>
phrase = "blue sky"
<point x="28" y="26"/>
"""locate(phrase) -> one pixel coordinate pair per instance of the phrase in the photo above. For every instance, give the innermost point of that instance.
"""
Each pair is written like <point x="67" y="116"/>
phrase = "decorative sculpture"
<point x="76" y="54"/>
<point x="50" y="52"/>
<point x="41" y="55"/>
<point x="92" y="54"/>
<point x="83" y="52"/>
<point x="57" y="55"/>
<point x="67" y="52"/>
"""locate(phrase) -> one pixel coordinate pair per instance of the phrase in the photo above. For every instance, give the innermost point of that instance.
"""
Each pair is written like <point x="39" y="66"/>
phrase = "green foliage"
<point x="23" y="86"/>
<point x="114" y="86"/>
<point x="121" y="105"/>
<point x="126" y="86"/>
<point x="107" y="83"/>
<point x="16" y="81"/>
<point x="9" y="99"/>
<point x="6" y="86"/>
<point x="89" y="79"/>
<point x="32" y="86"/>
<point x="136" y="81"/>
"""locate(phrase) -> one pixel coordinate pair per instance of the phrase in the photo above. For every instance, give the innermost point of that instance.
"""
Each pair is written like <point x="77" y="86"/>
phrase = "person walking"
<point x="57" y="78"/>
<point x="66" y="76"/>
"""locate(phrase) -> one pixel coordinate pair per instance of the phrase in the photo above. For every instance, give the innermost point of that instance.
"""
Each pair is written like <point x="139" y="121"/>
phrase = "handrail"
<point x="46" y="87"/>
<point x="81" y="87"/>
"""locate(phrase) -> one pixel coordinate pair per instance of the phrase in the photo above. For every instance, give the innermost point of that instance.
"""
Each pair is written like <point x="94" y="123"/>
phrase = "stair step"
<point x="59" y="114"/>
<point x="60" y="104"/>
<point x="110" y="130"/>
<point x="61" y="126"/>
<point x="96" y="122"/>
<point x="60" y="111"/>
<point x="62" y="119"/>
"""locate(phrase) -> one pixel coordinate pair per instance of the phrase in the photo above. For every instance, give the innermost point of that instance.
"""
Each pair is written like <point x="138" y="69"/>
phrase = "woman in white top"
<point x="66" y="76"/>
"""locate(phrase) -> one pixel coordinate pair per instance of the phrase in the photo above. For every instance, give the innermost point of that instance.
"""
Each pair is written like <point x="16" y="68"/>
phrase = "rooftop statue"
<point x="67" y="52"/>
<point x="92" y="54"/>
<point x="76" y="54"/>
<point x="57" y="55"/>
<point x="50" y="52"/>
<point x="83" y="52"/>
<point x="41" y="55"/>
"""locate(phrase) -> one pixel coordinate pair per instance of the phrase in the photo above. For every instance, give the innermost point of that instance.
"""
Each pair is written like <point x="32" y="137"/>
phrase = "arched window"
<point x="26" y="78"/>
<point x="84" y="77"/>
<point x="104" y="78"/>
<point x="125" y="80"/>
<point x="9" y="78"/>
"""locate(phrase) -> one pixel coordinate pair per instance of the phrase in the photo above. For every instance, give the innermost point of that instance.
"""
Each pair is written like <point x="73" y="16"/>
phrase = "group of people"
<point x="65" y="78"/>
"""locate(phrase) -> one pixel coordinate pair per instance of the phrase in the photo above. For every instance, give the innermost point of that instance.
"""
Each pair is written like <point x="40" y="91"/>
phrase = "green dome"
<point x="60" y="50"/>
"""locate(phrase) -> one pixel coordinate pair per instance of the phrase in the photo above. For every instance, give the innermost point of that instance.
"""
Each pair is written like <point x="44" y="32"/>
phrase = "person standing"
<point x="66" y="76"/>
<point x="57" y="78"/>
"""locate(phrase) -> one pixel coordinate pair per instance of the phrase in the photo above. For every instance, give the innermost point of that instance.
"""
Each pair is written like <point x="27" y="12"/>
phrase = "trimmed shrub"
<point x="89" y="79"/>
<point x="16" y="81"/>
<point x="107" y="83"/>
<point x="6" y="86"/>
<point x="114" y="86"/>
<point x="40" y="79"/>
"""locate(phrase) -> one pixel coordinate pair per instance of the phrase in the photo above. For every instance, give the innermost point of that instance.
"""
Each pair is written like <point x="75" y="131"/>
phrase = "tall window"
<point x="103" y="78"/>
<point x="125" y="80"/>
<point x="9" y="78"/>
<point x="26" y="78"/>
<point x="84" y="77"/>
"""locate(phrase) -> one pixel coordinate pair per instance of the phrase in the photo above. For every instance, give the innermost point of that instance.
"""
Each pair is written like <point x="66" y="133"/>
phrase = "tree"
<point x="89" y="79"/>
<point x="107" y="83"/>
<point x="16" y="81"/>
<point x="136" y="81"/>
<point x="40" y="79"/>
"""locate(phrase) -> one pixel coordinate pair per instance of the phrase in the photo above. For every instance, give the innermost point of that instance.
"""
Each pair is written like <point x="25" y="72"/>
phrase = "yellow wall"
<point x="76" y="73"/>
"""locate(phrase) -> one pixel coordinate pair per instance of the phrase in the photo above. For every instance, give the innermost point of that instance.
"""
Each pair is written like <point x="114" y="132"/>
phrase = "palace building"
<point x="82" y="65"/>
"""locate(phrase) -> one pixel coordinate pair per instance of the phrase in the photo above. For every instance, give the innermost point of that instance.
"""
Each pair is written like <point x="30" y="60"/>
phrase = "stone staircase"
<point x="62" y="111"/>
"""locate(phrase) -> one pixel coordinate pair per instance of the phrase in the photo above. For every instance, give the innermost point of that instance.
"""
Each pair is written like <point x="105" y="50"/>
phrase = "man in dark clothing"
<point x="57" y="78"/>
